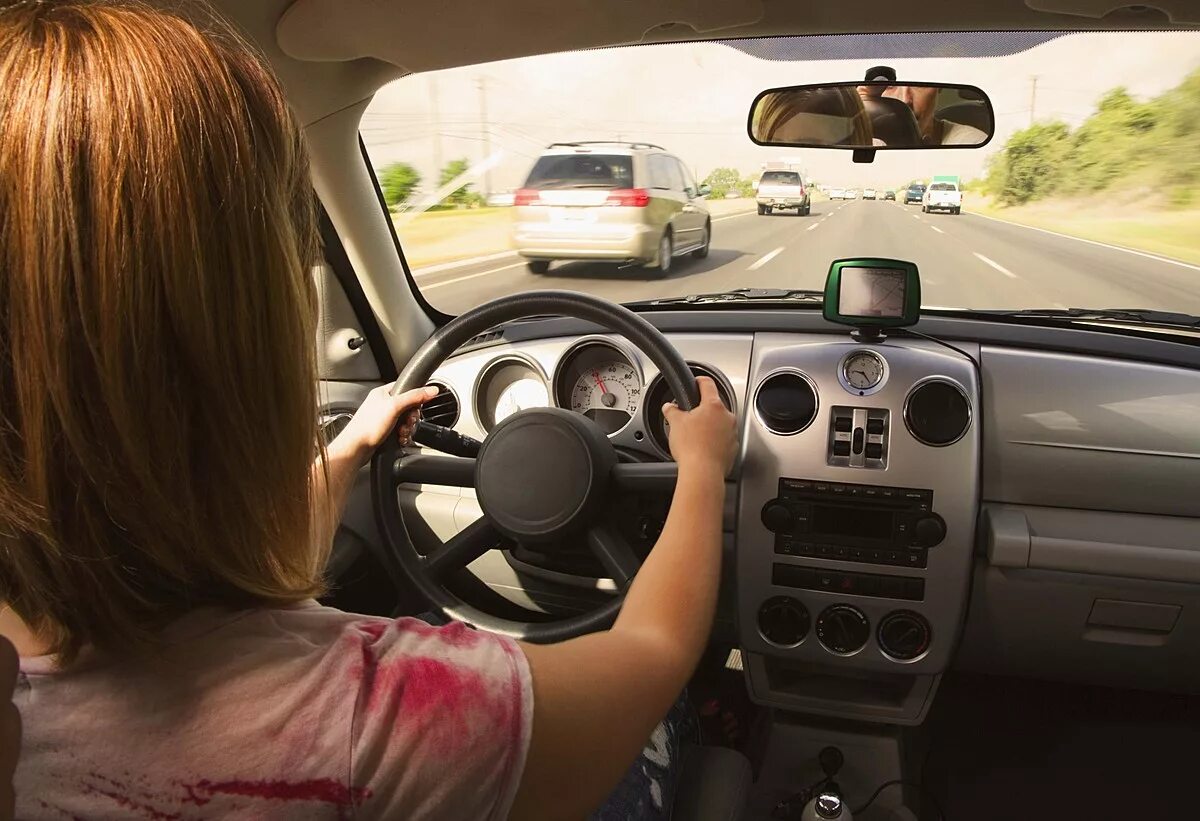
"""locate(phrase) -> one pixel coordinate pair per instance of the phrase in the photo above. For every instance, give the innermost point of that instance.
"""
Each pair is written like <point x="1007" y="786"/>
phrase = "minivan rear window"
<point x="781" y="178"/>
<point x="582" y="171"/>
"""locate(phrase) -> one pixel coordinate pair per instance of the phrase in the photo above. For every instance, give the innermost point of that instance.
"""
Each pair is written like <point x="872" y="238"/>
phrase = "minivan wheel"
<point x="702" y="251"/>
<point x="665" y="249"/>
<point x="538" y="266"/>
<point x="762" y="209"/>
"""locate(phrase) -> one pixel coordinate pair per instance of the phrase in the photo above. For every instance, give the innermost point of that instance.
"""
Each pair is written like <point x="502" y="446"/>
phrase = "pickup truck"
<point x="942" y="196"/>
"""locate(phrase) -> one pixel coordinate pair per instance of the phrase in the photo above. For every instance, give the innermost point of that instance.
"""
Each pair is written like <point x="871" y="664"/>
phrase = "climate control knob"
<point x="929" y="531"/>
<point x="783" y="621"/>
<point x="777" y="517"/>
<point x="904" y="635"/>
<point x="843" y="629"/>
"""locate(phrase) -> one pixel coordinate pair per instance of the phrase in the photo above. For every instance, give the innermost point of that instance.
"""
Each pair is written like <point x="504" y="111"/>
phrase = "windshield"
<point x="628" y="173"/>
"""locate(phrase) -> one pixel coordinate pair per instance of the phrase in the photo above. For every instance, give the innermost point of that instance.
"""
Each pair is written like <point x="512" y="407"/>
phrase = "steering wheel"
<point x="541" y="475"/>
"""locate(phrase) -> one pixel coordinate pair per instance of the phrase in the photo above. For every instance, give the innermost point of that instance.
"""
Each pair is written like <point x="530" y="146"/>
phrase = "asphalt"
<point x="965" y="260"/>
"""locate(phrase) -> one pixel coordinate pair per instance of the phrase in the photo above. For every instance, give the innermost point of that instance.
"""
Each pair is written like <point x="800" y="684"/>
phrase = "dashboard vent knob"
<point x="937" y="412"/>
<point x="786" y="402"/>
<point x="441" y="409"/>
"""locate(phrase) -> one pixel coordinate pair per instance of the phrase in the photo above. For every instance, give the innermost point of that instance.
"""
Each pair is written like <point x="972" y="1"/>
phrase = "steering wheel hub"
<point x="542" y="473"/>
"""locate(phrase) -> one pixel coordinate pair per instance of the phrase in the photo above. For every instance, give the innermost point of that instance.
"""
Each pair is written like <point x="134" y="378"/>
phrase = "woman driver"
<point x="161" y="530"/>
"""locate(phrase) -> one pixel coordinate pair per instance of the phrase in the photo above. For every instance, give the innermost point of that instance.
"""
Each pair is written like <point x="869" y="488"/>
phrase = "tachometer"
<point x="522" y="394"/>
<point x="608" y="394"/>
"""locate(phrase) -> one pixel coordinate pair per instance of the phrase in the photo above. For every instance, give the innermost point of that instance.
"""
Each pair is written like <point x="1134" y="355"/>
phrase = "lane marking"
<point x="1178" y="262"/>
<point x="916" y="216"/>
<point x="997" y="266"/>
<point x="764" y="259"/>
<point x="935" y="228"/>
<point x="813" y="227"/>
<point x="471" y="276"/>
<point x="733" y="216"/>
<point x="462" y="263"/>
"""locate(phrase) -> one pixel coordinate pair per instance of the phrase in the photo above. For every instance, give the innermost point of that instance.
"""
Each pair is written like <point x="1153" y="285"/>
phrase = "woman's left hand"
<point x="377" y="416"/>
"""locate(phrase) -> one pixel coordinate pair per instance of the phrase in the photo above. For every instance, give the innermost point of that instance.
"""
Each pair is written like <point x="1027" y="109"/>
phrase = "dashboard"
<point x="887" y="496"/>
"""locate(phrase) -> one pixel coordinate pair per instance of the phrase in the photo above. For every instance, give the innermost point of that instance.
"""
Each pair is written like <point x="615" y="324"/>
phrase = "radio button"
<point x="838" y="552"/>
<point x="929" y="531"/>
<point x="777" y="517"/>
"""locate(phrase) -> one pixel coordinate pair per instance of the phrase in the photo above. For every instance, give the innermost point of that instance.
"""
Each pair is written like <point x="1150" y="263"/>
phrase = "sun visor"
<point x="425" y="36"/>
<point x="1177" y="11"/>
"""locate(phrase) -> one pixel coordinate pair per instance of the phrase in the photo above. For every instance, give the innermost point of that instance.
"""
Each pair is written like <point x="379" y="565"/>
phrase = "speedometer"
<point x="609" y="394"/>
<point x="601" y="381"/>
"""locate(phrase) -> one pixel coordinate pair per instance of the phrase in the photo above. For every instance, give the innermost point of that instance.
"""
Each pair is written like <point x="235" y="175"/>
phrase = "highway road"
<point x="966" y="261"/>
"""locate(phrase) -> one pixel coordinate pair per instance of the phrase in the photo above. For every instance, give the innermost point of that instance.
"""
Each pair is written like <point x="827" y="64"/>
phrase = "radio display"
<point x="854" y="522"/>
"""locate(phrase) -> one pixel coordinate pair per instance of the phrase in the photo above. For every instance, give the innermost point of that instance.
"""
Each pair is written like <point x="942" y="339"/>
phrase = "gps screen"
<point x="872" y="292"/>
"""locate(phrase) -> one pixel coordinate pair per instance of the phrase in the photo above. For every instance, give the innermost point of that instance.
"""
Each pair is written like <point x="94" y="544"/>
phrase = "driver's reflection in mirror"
<point x="815" y="116"/>
<point x="922" y="100"/>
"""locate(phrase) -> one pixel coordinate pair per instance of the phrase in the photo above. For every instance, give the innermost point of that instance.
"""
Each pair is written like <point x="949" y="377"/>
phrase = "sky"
<point x="693" y="99"/>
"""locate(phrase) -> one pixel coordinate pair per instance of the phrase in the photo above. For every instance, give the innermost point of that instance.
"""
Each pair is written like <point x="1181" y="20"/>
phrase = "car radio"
<point x="855" y="523"/>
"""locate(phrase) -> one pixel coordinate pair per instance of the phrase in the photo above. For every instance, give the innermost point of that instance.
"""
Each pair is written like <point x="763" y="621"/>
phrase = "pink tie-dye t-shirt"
<point x="296" y="713"/>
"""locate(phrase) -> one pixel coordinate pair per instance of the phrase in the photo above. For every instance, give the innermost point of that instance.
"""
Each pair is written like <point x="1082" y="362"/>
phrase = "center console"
<point x="859" y="497"/>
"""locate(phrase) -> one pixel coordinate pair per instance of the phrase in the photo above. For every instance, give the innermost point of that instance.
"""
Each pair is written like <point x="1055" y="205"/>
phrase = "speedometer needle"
<point x="599" y="381"/>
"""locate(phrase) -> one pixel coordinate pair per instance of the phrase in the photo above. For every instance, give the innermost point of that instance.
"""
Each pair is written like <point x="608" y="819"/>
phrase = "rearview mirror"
<point x="875" y="115"/>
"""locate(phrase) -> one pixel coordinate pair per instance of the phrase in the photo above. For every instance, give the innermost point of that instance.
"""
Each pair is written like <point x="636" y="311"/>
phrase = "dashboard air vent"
<point x="443" y="408"/>
<point x="786" y="402"/>
<point x="937" y="412"/>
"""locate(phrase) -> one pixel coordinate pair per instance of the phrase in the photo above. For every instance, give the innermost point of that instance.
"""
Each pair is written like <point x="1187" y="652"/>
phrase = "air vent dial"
<point x="786" y="402"/>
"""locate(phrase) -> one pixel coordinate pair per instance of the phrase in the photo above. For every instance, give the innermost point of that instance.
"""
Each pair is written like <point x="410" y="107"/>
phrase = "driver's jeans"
<point x="647" y="791"/>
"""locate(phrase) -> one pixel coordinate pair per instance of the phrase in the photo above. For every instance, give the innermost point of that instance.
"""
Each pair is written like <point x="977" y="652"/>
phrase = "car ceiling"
<point x="334" y="53"/>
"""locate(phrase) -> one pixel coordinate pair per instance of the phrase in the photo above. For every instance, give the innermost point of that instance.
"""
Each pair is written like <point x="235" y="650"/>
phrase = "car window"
<point x="660" y="174"/>
<point x="541" y="172"/>
<point x="688" y="184"/>
<point x="577" y="170"/>
<point x="780" y="178"/>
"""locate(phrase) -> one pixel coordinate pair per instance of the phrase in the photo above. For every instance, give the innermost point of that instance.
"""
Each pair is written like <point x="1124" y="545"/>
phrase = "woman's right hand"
<point x="704" y="438"/>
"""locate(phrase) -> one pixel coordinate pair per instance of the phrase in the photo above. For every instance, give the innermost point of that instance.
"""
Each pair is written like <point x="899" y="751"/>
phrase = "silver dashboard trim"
<point x="766" y="378"/>
<point x="952" y="383"/>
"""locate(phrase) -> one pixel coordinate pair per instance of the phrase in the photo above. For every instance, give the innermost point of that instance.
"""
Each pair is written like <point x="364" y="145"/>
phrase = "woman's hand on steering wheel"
<point x="704" y="438"/>
<point x="380" y="414"/>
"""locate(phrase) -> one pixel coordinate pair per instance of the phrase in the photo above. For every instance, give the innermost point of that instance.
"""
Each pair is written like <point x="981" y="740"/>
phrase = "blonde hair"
<point x="157" y="373"/>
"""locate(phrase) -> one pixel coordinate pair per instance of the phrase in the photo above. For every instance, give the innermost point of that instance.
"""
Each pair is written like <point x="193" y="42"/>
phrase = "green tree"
<point x="460" y="197"/>
<point x="745" y="187"/>
<point x="1031" y="165"/>
<point x="399" y="180"/>
<point x="722" y="181"/>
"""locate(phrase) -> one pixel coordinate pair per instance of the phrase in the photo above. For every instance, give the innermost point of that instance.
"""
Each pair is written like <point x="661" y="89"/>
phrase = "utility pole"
<point x="483" y="129"/>
<point x="1032" y="97"/>
<point x="437" y="125"/>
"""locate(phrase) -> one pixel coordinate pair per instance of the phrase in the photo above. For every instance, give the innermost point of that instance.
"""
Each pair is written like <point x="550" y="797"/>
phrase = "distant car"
<point x="868" y="193"/>
<point x="618" y="201"/>
<point x="914" y="193"/>
<point x="851" y="194"/>
<point x="783" y="190"/>
<point x="889" y="195"/>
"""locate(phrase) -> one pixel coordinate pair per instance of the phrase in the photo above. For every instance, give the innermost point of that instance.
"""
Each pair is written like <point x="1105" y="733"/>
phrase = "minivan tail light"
<point x="527" y="196"/>
<point x="632" y="197"/>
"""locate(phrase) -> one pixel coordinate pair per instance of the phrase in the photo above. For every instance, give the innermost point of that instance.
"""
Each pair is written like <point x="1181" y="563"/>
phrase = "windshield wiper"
<point x="1139" y="316"/>
<point x="740" y="294"/>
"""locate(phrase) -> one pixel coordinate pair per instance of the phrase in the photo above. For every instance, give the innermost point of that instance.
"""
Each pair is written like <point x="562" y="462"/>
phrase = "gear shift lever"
<point x="828" y="804"/>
